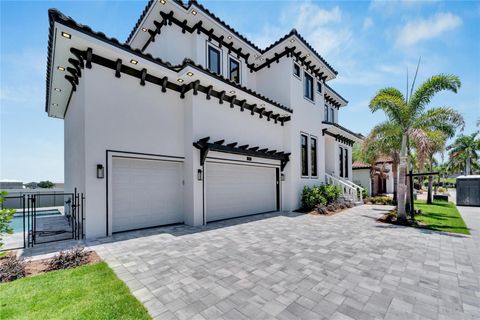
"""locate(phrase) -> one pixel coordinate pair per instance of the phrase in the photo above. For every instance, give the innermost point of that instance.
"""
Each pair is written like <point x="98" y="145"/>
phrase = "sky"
<point x="371" y="44"/>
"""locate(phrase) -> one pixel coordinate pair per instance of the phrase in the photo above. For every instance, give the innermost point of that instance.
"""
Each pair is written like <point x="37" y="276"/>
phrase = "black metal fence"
<point x="34" y="223"/>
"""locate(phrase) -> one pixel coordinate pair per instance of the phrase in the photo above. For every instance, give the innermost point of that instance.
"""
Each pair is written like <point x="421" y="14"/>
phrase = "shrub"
<point x="364" y="193"/>
<point x="379" y="200"/>
<point x="323" y="194"/>
<point x="441" y="189"/>
<point x="6" y="216"/>
<point x="68" y="259"/>
<point x="46" y="184"/>
<point x="311" y="196"/>
<point x="11" y="268"/>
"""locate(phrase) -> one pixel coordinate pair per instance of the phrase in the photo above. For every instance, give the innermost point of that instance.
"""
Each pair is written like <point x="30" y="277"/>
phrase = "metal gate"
<point x="44" y="217"/>
<point x="55" y="220"/>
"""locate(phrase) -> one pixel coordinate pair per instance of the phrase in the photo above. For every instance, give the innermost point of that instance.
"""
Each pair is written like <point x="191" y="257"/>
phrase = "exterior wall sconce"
<point x="199" y="175"/>
<point x="100" y="171"/>
<point x="282" y="176"/>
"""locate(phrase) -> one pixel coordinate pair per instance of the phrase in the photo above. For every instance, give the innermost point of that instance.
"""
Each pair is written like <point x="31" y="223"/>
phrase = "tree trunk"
<point x="430" y="181"/>
<point x="395" y="178"/>
<point x="407" y="187"/>
<point x="401" y="213"/>
<point x="468" y="170"/>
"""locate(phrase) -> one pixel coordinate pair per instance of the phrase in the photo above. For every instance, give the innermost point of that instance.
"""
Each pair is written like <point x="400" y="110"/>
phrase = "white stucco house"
<point x="376" y="180"/>
<point x="190" y="122"/>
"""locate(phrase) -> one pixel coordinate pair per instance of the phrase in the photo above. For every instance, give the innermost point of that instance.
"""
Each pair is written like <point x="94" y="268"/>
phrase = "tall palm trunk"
<point x="430" y="182"/>
<point x="407" y="186"/>
<point x="468" y="170"/>
<point x="395" y="177"/>
<point x="401" y="214"/>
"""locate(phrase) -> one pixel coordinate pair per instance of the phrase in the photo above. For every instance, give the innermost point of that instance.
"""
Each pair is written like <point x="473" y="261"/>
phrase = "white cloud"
<point x="367" y="23"/>
<point x="389" y="7"/>
<point x="323" y="28"/>
<point x="416" y="31"/>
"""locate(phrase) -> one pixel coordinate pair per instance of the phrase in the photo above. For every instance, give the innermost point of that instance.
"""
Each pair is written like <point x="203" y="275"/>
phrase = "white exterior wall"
<point x="74" y="135"/>
<point x="306" y="118"/>
<point x="362" y="178"/>
<point x="108" y="113"/>
<point x="172" y="45"/>
<point x="124" y="116"/>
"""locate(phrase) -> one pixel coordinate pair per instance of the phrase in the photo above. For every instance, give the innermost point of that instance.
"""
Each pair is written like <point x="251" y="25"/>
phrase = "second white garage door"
<point x="239" y="190"/>
<point x="146" y="193"/>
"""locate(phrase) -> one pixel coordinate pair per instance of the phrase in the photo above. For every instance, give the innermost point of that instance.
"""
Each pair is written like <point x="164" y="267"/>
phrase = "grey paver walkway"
<point x="289" y="266"/>
<point x="277" y="266"/>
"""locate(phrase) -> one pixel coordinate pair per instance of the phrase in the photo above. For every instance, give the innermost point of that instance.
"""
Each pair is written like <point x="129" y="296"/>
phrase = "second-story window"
<point x="296" y="70"/>
<point x="345" y="172"/>
<point x="234" y="70"/>
<point x="340" y="162"/>
<point x="332" y="115"/>
<point x="319" y="87"/>
<point x="214" y="60"/>
<point x="308" y="87"/>
<point x="326" y="113"/>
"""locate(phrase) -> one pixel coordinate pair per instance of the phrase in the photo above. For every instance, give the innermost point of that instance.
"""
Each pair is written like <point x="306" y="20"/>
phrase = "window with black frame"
<point x="308" y="87"/>
<point x="341" y="166"/>
<point x="319" y="87"/>
<point x="234" y="70"/>
<point x="346" y="163"/>
<point x="326" y="113"/>
<point x="296" y="70"/>
<point x="313" y="153"/>
<point x="304" y="154"/>
<point x="332" y="115"/>
<point x="214" y="60"/>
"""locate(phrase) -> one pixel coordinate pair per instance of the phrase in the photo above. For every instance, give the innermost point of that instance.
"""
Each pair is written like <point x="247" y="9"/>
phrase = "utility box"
<point x="468" y="191"/>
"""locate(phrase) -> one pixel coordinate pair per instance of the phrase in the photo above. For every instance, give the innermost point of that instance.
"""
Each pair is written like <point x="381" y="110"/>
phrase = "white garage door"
<point x="145" y="193"/>
<point x="239" y="190"/>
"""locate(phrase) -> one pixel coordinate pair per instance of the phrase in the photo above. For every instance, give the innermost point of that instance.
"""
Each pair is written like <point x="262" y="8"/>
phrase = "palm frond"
<point x="392" y="102"/>
<point x="444" y="119"/>
<point x="430" y="87"/>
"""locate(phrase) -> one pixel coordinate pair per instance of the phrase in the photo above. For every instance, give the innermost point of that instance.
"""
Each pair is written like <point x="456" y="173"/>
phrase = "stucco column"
<point x="193" y="188"/>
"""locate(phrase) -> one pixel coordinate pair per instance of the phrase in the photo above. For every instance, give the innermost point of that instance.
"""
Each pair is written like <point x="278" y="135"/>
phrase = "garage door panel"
<point x="146" y="193"/>
<point x="239" y="190"/>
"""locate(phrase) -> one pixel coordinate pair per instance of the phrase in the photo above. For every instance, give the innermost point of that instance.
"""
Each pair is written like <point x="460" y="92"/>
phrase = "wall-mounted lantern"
<point x="282" y="176"/>
<point x="199" y="175"/>
<point x="100" y="171"/>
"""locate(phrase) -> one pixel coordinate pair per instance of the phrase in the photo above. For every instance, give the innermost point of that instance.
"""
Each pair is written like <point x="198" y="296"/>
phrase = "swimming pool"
<point x="17" y="222"/>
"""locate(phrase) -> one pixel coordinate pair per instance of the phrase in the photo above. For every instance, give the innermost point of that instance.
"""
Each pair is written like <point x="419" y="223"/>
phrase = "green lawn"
<point x="441" y="216"/>
<point x="88" y="292"/>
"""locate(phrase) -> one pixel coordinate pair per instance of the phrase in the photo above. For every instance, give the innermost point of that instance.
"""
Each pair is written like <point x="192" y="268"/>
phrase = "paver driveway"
<point x="299" y="267"/>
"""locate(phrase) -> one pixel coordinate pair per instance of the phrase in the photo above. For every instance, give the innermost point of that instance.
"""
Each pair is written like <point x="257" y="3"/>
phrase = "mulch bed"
<point x="34" y="267"/>
<point x="328" y="213"/>
<point x="391" y="218"/>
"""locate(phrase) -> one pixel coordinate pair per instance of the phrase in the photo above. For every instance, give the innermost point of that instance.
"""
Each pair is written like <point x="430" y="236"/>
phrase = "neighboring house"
<point x="190" y="122"/>
<point x="382" y="180"/>
<point x="10" y="184"/>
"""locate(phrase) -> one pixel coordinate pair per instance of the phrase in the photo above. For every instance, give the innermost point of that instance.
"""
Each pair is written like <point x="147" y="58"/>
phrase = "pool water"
<point x="17" y="222"/>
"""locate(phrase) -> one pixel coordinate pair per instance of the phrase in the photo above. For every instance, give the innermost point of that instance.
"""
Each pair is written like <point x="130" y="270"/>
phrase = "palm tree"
<point x="412" y="118"/>
<point x="464" y="153"/>
<point x="384" y="139"/>
<point x="436" y="142"/>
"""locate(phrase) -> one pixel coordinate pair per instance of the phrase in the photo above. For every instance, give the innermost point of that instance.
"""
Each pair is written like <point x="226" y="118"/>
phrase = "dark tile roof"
<point x="384" y="158"/>
<point x="231" y="29"/>
<point x="331" y="89"/>
<point x="308" y="45"/>
<point x="361" y="165"/>
<point x="358" y="135"/>
<point x="56" y="16"/>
